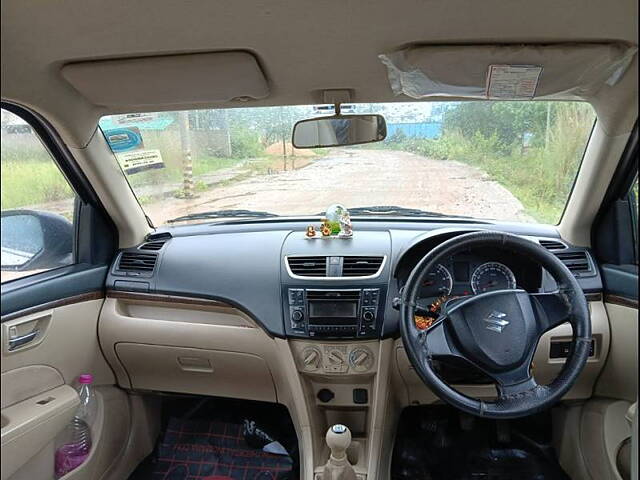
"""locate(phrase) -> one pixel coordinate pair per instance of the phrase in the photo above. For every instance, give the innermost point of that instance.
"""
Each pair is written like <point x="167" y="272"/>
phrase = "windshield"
<point x="513" y="161"/>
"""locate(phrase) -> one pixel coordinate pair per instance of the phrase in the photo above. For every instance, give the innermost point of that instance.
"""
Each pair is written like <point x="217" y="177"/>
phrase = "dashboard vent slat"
<point x="137" y="262"/>
<point x="577" y="262"/>
<point x="313" y="266"/>
<point x="154" y="246"/>
<point x="552" y="244"/>
<point x="361" y="266"/>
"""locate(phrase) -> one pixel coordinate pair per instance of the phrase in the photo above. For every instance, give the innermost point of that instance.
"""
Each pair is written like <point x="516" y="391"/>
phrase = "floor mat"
<point x="436" y="443"/>
<point x="201" y="450"/>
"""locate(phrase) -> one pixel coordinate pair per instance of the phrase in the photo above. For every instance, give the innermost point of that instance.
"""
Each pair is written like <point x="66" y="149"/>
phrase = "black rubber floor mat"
<point x="201" y="450"/>
<point x="432" y="445"/>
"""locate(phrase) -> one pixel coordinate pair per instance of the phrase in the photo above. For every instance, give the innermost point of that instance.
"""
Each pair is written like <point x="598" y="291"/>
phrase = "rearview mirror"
<point x="339" y="130"/>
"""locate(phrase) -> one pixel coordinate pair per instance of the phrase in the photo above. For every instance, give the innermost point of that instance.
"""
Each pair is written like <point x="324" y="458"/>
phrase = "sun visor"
<point x="169" y="80"/>
<point x="516" y="72"/>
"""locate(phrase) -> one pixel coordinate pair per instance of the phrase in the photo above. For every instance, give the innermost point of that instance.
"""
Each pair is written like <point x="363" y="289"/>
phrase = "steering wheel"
<point x="497" y="331"/>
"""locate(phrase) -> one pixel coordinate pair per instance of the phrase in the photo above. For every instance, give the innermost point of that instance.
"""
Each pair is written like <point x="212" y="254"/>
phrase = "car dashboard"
<point x="253" y="309"/>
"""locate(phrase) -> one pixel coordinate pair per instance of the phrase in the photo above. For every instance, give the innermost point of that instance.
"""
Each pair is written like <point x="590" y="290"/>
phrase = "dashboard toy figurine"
<point x="326" y="230"/>
<point x="346" y="230"/>
<point x="311" y="231"/>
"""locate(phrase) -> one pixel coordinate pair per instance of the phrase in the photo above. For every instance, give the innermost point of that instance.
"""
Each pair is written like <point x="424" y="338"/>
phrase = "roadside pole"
<point x="187" y="163"/>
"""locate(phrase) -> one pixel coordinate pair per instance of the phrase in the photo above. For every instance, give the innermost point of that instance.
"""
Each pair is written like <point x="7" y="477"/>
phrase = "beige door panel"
<point x="25" y="382"/>
<point x="38" y="400"/>
<point x="28" y="426"/>
<point x="619" y="378"/>
<point x="68" y="342"/>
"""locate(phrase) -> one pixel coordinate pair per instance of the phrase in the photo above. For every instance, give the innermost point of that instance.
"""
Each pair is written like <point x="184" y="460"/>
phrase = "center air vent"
<point x="552" y="244"/>
<point x="137" y="262"/>
<point x="308" y="266"/>
<point x="578" y="262"/>
<point x="361" y="266"/>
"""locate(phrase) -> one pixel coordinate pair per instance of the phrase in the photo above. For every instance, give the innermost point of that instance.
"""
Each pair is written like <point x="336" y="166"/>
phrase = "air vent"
<point x="154" y="246"/>
<point x="308" y="266"/>
<point x="361" y="266"/>
<point x="552" y="244"/>
<point x="137" y="262"/>
<point x="578" y="262"/>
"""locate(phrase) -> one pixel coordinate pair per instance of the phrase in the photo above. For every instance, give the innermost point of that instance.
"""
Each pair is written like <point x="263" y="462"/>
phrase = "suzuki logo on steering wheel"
<point x="496" y="321"/>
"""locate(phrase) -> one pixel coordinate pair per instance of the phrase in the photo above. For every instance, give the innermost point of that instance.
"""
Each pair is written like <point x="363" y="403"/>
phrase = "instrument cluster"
<point x="471" y="273"/>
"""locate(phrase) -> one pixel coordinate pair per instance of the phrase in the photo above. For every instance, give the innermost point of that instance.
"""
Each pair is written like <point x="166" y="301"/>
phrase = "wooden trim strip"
<point x="158" y="297"/>
<point x="618" y="300"/>
<point x="83" y="297"/>
<point x="593" y="297"/>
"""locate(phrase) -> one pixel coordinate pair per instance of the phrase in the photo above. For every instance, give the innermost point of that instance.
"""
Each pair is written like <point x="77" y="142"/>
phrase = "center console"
<point x="327" y="313"/>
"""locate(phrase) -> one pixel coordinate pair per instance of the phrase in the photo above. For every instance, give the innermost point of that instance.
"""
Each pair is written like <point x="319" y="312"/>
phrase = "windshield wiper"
<point x="398" y="211"/>
<point x="222" y="214"/>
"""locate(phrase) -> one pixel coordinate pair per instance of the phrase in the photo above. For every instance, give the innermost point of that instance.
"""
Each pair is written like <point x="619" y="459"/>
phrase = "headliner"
<point x="304" y="46"/>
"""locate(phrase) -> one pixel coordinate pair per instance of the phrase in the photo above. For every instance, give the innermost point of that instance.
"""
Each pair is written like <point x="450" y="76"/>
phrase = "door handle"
<point x="23" y="339"/>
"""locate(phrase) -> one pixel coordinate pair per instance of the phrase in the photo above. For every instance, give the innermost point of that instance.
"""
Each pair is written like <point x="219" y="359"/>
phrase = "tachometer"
<point x="492" y="276"/>
<point x="437" y="282"/>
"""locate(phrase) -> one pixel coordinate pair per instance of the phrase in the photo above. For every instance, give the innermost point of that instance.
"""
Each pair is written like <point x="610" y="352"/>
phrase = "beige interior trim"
<point x="83" y="297"/>
<point x="69" y="343"/>
<point x="216" y="77"/>
<point x="600" y="161"/>
<point x="28" y="426"/>
<point x="619" y="378"/>
<point x="603" y="428"/>
<point x="25" y="382"/>
<point x="144" y="427"/>
<point x="108" y="180"/>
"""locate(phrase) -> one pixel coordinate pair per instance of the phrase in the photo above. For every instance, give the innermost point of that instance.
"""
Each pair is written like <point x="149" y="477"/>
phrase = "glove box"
<point x="197" y="371"/>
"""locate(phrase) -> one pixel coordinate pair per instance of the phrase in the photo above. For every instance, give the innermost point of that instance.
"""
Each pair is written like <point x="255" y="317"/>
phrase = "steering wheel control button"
<point x="325" y="395"/>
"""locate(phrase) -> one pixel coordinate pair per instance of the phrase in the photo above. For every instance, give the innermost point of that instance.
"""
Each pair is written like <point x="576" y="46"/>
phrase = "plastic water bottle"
<point x="76" y="439"/>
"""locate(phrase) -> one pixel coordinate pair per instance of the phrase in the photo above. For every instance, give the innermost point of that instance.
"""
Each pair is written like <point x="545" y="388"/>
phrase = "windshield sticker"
<point x="512" y="81"/>
<point x="128" y="147"/>
<point x="140" y="160"/>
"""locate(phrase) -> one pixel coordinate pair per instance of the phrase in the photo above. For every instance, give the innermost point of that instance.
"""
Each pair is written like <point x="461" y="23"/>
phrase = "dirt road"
<point x="358" y="178"/>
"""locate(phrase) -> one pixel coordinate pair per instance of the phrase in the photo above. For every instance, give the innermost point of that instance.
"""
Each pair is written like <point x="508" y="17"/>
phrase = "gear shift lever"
<point x="338" y="466"/>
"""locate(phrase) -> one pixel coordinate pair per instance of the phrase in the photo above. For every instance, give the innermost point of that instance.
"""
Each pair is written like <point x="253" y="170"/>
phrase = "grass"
<point x="30" y="182"/>
<point x="541" y="178"/>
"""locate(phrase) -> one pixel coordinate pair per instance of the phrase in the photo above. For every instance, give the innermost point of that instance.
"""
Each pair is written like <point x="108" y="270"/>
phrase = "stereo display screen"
<point x="333" y="309"/>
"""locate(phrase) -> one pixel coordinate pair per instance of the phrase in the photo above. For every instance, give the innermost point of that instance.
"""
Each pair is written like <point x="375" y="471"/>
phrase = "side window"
<point x="37" y="205"/>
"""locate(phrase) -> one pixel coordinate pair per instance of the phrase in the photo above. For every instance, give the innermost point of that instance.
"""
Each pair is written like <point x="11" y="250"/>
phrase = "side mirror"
<point x="34" y="240"/>
<point x="339" y="130"/>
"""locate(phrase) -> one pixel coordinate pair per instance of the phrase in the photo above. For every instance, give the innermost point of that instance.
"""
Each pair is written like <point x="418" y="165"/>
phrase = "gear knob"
<point x="338" y="440"/>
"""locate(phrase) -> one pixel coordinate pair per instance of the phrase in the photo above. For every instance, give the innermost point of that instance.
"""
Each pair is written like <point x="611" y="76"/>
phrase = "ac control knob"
<point x="361" y="359"/>
<point x="297" y="315"/>
<point x="311" y="358"/>
<point x="368" y="316"/>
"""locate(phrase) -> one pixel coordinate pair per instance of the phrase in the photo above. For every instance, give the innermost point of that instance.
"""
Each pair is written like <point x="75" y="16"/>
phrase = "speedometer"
<point x="437" y="282"/>
<point x="492" y="276"/>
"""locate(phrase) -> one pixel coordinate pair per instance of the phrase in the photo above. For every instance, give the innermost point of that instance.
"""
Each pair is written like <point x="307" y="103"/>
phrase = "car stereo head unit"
<point x="334" y="313"/>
